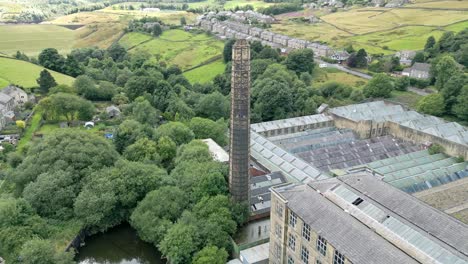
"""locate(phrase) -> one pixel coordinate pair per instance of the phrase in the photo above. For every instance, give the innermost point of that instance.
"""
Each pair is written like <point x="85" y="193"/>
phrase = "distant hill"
<point x="25" y="74"/>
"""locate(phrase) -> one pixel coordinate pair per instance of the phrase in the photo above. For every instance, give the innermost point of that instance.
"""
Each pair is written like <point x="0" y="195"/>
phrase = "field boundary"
<point x="209" y="61"/>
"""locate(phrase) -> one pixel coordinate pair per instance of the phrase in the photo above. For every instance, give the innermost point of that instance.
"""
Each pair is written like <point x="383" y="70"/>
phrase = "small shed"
<point x="112" y="111"/>
<point x="89" y="125"/>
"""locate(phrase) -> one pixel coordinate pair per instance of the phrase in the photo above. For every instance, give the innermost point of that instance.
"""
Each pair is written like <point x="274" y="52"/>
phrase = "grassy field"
<point x="408" y="98"/>
<point x="205" y="73"/>
<point x="177" y="47"/>
<point x="378" y="30"/>
<point x="31" y="127"/>
<point x="32" y="39"/>
<point x="3" y="83"/>
<point x="329" y="74"/>
<point x="25" y="74"/>
<point x="167" y="16"/>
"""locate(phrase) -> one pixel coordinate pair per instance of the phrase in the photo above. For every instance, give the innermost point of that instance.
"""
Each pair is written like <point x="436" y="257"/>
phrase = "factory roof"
<point x="380" y="111"/>
<point x="290" y="122"/>
<point x="275" y="158"/>
<point x="371" y="222"/>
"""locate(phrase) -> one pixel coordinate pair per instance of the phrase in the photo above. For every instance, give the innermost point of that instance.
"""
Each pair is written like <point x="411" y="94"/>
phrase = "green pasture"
<point x="32" y="39"/>
<point x="3" y="83"/>
<point x="25" y="74"/>
<point x="178" y="47"/>
<point x="205" y="73"/>
<point x="133" y="39"/>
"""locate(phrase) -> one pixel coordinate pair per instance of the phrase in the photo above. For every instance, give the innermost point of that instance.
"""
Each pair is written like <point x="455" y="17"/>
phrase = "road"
<point x="366" y="76"/>
<point x="344" y="69"/>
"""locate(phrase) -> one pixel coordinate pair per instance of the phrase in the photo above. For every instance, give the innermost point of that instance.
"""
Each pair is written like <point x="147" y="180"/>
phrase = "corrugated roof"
<point x="358" y="243"/>
<point x="290" y="122"/>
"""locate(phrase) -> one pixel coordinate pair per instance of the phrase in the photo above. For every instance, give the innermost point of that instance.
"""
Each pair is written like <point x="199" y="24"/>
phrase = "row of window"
<point x="338" y="258"/>
<point x="298" y="128"/>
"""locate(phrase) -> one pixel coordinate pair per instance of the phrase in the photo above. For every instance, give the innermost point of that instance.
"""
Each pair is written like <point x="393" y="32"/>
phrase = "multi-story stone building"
<point x="360" y="219"/>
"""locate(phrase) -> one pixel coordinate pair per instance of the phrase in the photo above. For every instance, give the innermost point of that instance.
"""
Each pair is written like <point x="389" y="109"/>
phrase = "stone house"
<point x="219" y="29"/>
<point x="230" y="33"/>
<point x="19" y="96"/>
<point x="267" y="35"/>
<point x="297" y="43"/>
<point x="280" y="39"/>
<point x="206" y="25"/>
<point x="418" y="71"/>
<point x="340" y="56"/>
<point x="255" y="32"/>
<point x="406" y="56"/>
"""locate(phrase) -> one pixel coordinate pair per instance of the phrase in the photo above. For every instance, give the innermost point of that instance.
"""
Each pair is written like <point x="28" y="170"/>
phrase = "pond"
<point x="119" y="245"/>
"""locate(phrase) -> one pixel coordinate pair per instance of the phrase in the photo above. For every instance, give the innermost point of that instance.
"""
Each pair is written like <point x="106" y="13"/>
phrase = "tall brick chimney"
<point x="239" y="179"/>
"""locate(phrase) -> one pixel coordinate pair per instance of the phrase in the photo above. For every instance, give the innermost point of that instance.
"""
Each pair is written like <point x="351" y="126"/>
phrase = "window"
<point x="277" y="250"/>
<point x="322" y="245"/>
<point x="318" y="262"/>
<point x="358" y="201"/>
<point x="292" y="219"/>
<point x="304" y="254"/>
<point x="306" y="231"/>
<point x="290" y="260"/>
<point x="338" y="258"/>
<point x="279" y="209"/>
<point x="278" y="230"/>
<point x="292" y="242"/>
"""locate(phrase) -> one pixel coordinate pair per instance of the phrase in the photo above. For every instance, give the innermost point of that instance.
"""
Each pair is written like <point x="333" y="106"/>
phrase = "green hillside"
<point x="32" y="39"/>
<point x="25" y="74"/>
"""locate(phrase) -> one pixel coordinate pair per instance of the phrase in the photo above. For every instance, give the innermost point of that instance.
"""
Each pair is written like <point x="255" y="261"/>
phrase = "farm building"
<point x="418" y="71"/>
<point x="406" y="56"/>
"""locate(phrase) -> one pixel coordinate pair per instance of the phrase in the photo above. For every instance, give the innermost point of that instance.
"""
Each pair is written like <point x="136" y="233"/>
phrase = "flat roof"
<point x="256" y="254"/>
<point x="218" y="153"/>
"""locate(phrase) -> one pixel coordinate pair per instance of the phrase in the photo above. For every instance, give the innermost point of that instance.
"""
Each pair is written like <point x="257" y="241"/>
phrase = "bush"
<point x="420" y="83"/>
<point x="280" y="9"/>
<point x="435" y="148"/>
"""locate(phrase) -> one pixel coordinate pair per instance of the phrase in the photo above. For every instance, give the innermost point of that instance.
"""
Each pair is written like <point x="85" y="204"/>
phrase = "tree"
<point x="111" y="193"/>
<point x="162" y="94"/>
<point x="78" y="152"/>
<point x="152" y="218"/>
<point x="62" y="88"/>
<point x="143" y="150"/>
<point x="51" y="59"/>
<point x="446" y="41"/>
<point x="116" y="52"/>
<point x="432" y="104"/>
<point x="402" y="84"/>
<point x="213" y="106"/>
<point x="70" y="106"/>
<point x="139" y="85"/>
<point x="167" y="150"/>
<point x="462" y="55"/>
<point x="361" y="58"/>
<point x="183" y="21"/>
<point x="143" y="112"/>
<point x="380" y="85"/>
<point x="38" y="251"/>
<point x="127" y="133"/>
<point x="176" y="131"/>
<point x="52" y="194"/>
<point x="45" y="81"/>
<point x="452" y="89"/>
<point x="180" y="242"/>
<point x="227" y="51"/>
<point x="72" y="67"/>
<point x="20" y="124"/>
<point x="269" y="53"/>
<point x="461" y="106"/>
<point x="271" y="100"/>
<point x="210" y="255"/>
<point x="430" y="42"/>
<point x="419" y="57"/>
<point x="301" y="60"/>
<point x="86" y="87"/>
<point x="445" y="68"/>
<point x="206" y="128"/>
<point x="156" y="30"/>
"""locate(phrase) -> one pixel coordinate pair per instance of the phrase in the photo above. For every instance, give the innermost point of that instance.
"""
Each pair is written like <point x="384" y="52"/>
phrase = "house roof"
<point x="421" y="67"/>
<point x="4" y="98"/>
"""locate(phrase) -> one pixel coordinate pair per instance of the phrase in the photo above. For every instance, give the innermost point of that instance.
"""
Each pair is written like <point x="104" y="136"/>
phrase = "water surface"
<point x="119" y="245"/>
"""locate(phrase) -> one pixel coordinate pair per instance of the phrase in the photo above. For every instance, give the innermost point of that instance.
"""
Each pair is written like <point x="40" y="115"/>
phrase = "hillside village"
<point x="233" y="132"/>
